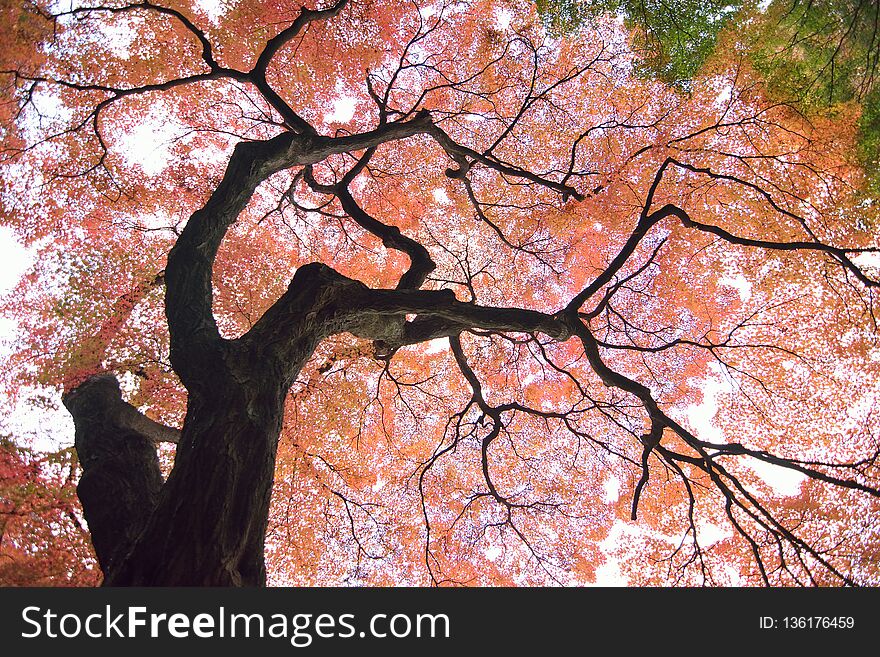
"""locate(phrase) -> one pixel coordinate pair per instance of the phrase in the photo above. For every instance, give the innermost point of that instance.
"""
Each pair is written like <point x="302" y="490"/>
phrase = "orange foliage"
<point x="381" y="475"/>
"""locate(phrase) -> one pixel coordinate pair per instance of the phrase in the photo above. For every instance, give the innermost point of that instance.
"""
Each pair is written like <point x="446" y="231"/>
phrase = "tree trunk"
<point x="205" y="525"/>
<point x="121" y="479"/>
<point x="208" y="526"/>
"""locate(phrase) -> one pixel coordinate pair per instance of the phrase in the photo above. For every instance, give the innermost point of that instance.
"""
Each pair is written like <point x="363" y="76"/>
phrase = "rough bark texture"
<point x="208" y="525"/>
<point x="205" y="525"/>
<point x="121" y="480"/>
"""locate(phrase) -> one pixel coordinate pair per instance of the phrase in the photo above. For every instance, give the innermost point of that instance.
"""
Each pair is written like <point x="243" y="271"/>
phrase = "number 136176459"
<point x="807" y="622"/>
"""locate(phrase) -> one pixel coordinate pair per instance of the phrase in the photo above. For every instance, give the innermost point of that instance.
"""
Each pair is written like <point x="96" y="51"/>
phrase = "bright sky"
<point x="14" y="259"/>
<point x="47" y="430"/>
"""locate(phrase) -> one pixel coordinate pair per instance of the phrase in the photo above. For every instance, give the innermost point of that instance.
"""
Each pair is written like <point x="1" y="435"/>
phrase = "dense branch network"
<point x="321" y="303"/>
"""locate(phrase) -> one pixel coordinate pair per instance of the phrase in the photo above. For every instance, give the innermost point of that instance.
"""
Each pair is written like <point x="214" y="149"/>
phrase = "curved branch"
<point x="207" y="51"/>
<point x="421" y="263"/>
<point x="189" y="298"/>
<point x="258" y="73"/>
<point x="839" y="254"/>
<point x="462" y="155"/>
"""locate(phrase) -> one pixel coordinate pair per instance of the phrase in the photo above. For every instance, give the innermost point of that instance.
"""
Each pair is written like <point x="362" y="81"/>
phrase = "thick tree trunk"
<point x="121" y="479"/>
<point x="205" y="525"/>
<point x="208" y="526"/>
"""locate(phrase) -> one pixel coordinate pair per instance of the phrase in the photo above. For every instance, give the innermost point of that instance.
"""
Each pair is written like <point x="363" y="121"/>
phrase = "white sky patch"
<point x="343" y="110"/>
<point x="867" y="260"/>
<point x="427" y="11"/>
<point x="30" y="422"/>
<point x="155" y="221"/>
<point x="48" y="103"/>
<point x="46" y="110"/>
<point x="118" y="38"/>
<point x="492" y="552"/>
<point x="149" y="145"/>
<point x="733" y="576"/>
<point x="609" y="574"/>
<point x="35" y="424"/>
<point x="784" y="481"/>
<point x="16" y="259"/>
<point x="611" y="489"/>
<point x="205" y="155"/>
<point x="700" y="415"/>
<point x="417" y="54"/>
<point x="214" y="9"/>
<point x="437" y="346"/>
<point x="723" y="96"/>
<point x="441" y="197"/>
<point x="503" y="18"/>
<point x="709" y="534"/>
<point x="740" y="283"/>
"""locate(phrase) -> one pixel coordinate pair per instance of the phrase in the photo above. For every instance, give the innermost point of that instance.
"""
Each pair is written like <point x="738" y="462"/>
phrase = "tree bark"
<point x="208" y="525"/>
<point x="205" y="525"/>
<point x="120" y="480"/>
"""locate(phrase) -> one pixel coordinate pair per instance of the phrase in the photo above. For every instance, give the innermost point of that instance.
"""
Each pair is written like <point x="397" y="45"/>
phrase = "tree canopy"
<point x="373" y="292"/>
<point x="819" y="55"/>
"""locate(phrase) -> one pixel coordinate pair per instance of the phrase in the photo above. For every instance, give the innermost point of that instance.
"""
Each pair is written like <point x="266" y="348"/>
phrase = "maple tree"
<point x="426" y="294"/>
<point x="817" y="55"/>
